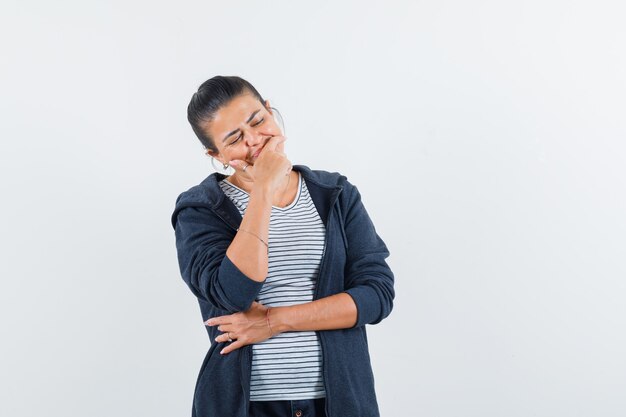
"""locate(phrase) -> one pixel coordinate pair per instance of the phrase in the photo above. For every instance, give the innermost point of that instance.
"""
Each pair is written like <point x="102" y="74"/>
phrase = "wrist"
<point x="262" y="190"/>
<point x="278" y="320"/>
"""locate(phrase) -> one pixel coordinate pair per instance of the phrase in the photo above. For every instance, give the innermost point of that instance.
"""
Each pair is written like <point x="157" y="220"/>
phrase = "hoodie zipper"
<point x="315" y="297"/>
<point x="319" y="334"/>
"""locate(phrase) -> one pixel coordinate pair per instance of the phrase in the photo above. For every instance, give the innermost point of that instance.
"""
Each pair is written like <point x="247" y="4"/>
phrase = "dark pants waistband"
<point x="288" y="408"/>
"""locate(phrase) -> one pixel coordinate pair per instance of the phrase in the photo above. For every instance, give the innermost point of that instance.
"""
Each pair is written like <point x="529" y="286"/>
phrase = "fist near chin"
<point x="270" y="164"/>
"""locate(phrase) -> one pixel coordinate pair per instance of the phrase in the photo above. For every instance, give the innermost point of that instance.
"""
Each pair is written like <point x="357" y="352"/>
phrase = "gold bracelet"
<point x="258" y="237"/>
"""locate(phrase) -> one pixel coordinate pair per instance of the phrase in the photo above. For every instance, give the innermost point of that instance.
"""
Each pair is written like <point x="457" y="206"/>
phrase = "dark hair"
<point x="211" y="96"/>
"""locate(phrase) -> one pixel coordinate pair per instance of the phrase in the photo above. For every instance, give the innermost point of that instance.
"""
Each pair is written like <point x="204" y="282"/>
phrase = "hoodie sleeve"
<point x="201" y="241"/>
<point x="368" y="278"/>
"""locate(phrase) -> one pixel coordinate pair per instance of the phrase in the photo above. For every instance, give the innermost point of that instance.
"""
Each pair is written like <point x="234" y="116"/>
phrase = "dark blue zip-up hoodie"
<point x="205" y="222"/>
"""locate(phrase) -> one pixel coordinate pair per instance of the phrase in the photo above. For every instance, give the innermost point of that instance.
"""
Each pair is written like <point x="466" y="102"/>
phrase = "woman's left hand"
<point x="244" y="328"/>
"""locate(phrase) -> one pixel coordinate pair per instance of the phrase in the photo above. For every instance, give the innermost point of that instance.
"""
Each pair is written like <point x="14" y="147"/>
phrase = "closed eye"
<point x="241" y="135"/>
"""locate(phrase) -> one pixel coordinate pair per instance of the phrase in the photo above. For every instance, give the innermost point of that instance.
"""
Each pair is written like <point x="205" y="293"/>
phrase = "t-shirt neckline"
<point x="288" y="206"/>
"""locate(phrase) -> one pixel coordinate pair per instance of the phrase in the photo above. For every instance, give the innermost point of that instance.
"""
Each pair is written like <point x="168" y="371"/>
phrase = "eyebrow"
<point x="237" y="130"/>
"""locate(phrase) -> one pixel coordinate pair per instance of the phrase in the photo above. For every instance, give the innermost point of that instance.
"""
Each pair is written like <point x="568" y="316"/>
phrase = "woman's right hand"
<point x="269" y="168"/>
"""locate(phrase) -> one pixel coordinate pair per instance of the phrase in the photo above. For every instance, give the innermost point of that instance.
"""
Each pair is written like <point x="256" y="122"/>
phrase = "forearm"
<point x="337" y="311"/>
<point x="246" y="251"/>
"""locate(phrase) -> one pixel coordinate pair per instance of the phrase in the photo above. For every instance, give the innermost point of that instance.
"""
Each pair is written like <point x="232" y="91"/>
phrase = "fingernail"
<point x="208" y="322"/>
<point x="222" y="351"/>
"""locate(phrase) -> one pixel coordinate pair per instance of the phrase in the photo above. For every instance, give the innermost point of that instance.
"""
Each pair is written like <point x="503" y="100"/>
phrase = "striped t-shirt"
<point x="288" y="366"/>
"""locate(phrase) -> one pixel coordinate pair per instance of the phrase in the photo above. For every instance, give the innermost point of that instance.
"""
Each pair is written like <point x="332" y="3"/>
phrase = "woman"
<point x="287" y="268"/>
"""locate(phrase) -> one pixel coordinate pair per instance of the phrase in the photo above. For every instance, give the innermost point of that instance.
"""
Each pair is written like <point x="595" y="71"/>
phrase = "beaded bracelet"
<point x="267" y="316"/>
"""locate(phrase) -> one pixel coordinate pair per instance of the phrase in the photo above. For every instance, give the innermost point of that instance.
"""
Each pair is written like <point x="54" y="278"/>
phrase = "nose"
<point x="253" y="138"/>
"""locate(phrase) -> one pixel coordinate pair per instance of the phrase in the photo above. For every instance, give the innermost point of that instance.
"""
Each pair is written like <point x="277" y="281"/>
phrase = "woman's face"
<point x="241" y="128"/>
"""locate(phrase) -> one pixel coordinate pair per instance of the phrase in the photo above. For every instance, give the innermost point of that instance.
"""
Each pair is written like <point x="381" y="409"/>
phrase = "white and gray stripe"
<point x="288" y="366"/>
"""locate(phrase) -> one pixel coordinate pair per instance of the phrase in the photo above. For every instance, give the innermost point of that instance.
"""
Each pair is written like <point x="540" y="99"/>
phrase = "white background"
<point x="486" y="137"/>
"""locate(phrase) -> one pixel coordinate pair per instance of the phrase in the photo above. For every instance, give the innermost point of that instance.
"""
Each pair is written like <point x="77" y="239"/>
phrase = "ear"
<point x="268" y="107"/>
<point x="215" y="155"/>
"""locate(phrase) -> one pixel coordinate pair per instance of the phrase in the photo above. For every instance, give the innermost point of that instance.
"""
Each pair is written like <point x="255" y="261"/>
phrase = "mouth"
<point x="256" y="154"/>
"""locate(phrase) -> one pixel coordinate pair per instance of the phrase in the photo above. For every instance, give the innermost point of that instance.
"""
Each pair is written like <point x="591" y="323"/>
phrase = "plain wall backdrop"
<point x="487" y="139"/>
